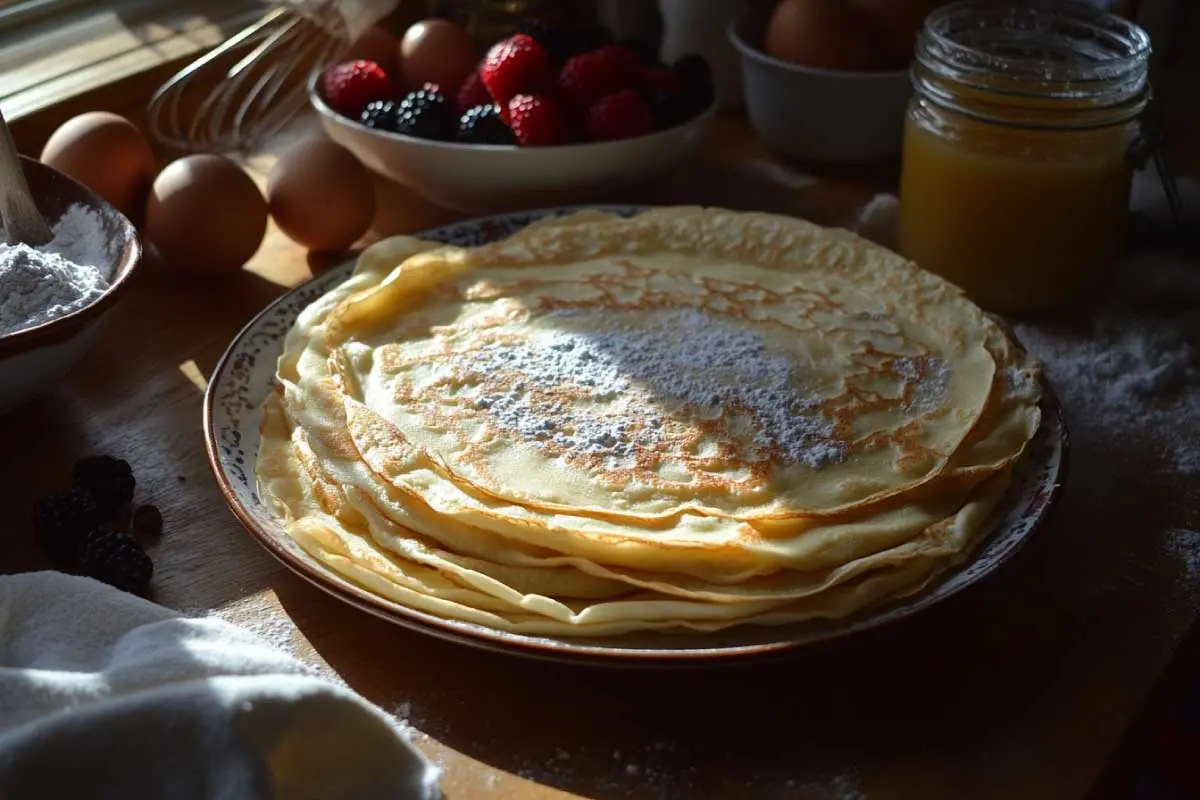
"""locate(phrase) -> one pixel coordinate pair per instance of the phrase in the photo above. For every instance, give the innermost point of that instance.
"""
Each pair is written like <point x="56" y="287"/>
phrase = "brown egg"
<point x="376" y="45"/>
<point x="205" y="215"/>
<point x="321" y="196"/>
<point x="826" y="34"/>
<point x="436" y="51"/>
<point x="895" y="25"/>
<point x="108" y="154"/>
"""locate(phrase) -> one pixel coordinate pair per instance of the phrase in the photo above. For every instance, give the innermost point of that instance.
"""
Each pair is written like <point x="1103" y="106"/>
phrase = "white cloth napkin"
<point x="106" y="695"/>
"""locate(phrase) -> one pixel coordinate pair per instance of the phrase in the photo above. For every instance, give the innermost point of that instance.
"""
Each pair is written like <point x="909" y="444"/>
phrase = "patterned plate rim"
<point x="237" y="387"/>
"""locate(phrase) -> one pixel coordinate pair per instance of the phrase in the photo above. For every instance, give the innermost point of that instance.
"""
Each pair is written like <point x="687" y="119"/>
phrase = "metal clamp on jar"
<point x="1016" y="168"/>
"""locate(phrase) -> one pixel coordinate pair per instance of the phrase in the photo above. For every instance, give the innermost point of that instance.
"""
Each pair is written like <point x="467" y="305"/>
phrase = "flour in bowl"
<point x="40" y="284"/>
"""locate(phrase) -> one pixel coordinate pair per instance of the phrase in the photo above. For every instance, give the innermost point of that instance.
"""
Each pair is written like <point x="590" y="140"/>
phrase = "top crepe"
<point x="692" y="401"/>
<point x="679" y="361"/>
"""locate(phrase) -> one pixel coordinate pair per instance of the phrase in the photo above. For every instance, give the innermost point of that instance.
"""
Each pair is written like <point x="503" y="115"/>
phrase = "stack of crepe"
<point x="688" y="419"/>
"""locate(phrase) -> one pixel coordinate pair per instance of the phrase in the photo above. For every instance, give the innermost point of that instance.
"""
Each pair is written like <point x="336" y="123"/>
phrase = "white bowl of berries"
<point x="523" y="129"/>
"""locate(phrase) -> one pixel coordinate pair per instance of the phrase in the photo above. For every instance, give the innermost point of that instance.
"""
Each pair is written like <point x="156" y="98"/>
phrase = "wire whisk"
<point x="248" y="88"/>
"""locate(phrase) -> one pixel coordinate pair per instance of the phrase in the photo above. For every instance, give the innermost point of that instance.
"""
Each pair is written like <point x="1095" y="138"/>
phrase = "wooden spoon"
<point x="23" y="223"/>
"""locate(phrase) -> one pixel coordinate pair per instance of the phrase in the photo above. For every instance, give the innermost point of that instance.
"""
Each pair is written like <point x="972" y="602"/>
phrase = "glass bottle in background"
<point x="1016" y="166"/>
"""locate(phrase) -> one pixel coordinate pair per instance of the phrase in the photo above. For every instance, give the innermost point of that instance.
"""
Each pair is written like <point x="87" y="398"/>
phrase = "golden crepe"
<point x="689" y="419"/>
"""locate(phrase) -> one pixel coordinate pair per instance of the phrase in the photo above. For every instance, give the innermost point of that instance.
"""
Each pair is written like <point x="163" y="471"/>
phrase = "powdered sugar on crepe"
<point x="686" y="356"/>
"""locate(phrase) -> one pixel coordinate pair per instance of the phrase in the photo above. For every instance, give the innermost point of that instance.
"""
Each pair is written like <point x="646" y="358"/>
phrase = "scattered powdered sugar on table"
<point x="1135" y="363"/>
<point x="671" y="360"/>
<point x="39" y="284"/>
<point x="276" y="629"/>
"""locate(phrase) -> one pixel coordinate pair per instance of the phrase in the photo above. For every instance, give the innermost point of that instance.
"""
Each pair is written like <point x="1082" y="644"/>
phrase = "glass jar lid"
<point x="1038" y="64"/>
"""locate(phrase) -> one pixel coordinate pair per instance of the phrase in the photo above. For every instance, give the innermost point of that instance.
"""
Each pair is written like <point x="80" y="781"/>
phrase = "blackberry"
<point x="482" y="125"/>
<point x="62" y="520"/>
<point x="425" y="114"/>
<point x="109" y="479"/>
<point x="380" y="115"/>
<point x="696" y="77"/>
<point x="669" y="108"/>
<point x="116" y="558"/>
<point x="147" y="522"/>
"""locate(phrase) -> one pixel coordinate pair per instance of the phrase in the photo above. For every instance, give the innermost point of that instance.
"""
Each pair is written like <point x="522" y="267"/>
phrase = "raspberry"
<point x="626" y="63"/>
<point x="517" y="65"/>
<point x="62" y="520"/>
<point x="587" y="78"/>
<point x="645" y="51"/>
<point x="117" y="559"/>
<point x="482" y="125"/>
<point x="424" y="114"/>
<point x="109" y="479"/>
<point x="472" y="93"/>
<point x="537" y="121"/>
<point x="661" y="79"/>
<point x="350" y="86"/>
<point x="622" y="115"/>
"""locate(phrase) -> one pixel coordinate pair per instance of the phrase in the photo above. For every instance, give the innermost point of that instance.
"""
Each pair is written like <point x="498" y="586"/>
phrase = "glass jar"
<point x="1016" y="164"/>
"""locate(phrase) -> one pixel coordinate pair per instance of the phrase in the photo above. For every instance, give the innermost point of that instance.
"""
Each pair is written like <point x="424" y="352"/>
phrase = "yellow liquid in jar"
<point x="1021" y="220"/>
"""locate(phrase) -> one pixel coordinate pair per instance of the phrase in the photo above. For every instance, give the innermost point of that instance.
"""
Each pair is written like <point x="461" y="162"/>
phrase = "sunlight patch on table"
<point x="192" y="372"/>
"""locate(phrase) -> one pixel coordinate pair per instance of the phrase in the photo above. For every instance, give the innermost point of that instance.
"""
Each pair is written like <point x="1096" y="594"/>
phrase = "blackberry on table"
<point x="425" y="114"/>
<point x="62" y="520"/>
<point x="482" y="125"/>
<point x="379" y="115"/>
<point x="109" y="479"/>
<point x="115" y="557"/>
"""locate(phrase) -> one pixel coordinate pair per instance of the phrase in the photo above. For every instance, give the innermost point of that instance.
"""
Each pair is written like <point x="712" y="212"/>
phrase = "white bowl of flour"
<point x="54" y="298"/>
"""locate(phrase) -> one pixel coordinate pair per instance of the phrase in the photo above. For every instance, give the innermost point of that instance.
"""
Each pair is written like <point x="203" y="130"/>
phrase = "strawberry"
<point x="586" y="78"/>
<point x="473" y="93"/>
<point x="622" y="115"/>
<point x="348" y="87"/>
<point x="537" y="121"/>
<point x="516" y="65"/>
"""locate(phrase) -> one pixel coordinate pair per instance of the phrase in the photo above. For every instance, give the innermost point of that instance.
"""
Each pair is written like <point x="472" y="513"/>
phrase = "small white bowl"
<point x="823" y="115"/>
<point x="34" y="359"/>
<point x="478" y="178"/>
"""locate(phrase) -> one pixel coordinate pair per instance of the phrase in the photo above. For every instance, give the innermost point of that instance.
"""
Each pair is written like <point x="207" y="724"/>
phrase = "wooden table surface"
<point x="1019" y="688"/>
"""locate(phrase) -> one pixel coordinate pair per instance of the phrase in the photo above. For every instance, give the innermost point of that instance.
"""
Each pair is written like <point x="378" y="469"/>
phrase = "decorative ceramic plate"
<point x="244" y="377"/>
